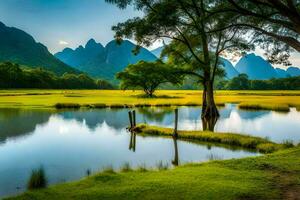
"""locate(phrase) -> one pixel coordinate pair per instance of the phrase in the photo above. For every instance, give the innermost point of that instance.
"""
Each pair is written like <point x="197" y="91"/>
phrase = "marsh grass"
<point x="99" y="105"/>
<point x="18" y="98"/>
<point x="37" y="179"/>
<point x="126" y="167"/>
<point x="160" y="166"/>
<point x="142" y="168"/>
<point x="260" y="144"/>
<point x="212" y="157"/>
<point x="108" y="169"/>
<point x="67" y="106"/>
<point x="144" y="96"/>
<point x="117" y="106"/>
<point x="274" y="107"/>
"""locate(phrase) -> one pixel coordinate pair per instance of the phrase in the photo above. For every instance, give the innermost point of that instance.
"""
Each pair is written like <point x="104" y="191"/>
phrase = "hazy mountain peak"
<point x="104" y="62"/>
<point x="231" y="72"/>
<point x="256" y="67"/>
<point x="19" y="47"/>
<point x="93" y="44"/>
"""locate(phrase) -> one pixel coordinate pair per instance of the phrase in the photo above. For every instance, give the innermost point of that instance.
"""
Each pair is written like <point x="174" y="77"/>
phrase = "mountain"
<point x="231" y="72"/>
<point x="157" y="51"/>
<point x="293" y="71"/>
<point x="281" y="73"/>
<point x="19" y="47"/>
<point x="104" y="62"/>
<point x="256" y="67"/>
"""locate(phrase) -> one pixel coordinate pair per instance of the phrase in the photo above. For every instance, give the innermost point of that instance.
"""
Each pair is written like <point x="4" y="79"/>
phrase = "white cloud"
<point x="62" y="42"/>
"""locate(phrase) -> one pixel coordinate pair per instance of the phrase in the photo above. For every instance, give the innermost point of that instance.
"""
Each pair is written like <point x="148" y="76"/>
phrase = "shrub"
<point x="37" y="179"/>
<point x="126" y="167"/>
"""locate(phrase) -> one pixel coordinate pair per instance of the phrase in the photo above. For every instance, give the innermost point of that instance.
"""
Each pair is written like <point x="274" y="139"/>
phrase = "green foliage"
<point x="19" y="47"/>
<point x="148" y="76"/>
<point x="126" y="167"/>
<point x="37" y="179"/>
<point x="243" y="83"/>
<point x="15" y="76"/>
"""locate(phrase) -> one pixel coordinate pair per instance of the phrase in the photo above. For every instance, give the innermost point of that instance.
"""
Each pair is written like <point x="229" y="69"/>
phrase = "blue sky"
<point x="70" y="23"/>
<point x="58" y="22"/>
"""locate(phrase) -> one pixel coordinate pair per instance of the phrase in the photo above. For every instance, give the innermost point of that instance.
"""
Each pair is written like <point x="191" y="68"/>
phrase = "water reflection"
<point x="175" y="161"/>
<point x="68" y="147"/>
<point x="16" y="122"/>
<point x="209" y="123"/>
<point x="68" y="143"/>
<point x="132" y="143"/>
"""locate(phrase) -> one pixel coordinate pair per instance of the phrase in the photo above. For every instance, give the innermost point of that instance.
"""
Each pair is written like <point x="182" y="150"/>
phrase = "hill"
<point x="19" y="47"/>
<point x="256" y="67"/>
<point x="104" y="62"/>
<point x="231" y="72"/>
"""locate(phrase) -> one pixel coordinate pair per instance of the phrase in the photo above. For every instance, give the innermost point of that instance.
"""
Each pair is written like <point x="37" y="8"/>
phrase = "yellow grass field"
<point x="48" y="98"/>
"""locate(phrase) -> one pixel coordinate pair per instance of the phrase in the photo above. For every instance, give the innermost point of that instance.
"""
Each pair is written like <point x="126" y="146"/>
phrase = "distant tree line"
<point x="242" y="82"/>
<point x="14" y="76"/>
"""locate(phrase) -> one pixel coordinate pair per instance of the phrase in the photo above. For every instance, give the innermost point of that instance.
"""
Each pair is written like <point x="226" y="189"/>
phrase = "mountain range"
<point x="254" y="66"/>
<point x="19" y="47"/>
<point x="104" y="62"/>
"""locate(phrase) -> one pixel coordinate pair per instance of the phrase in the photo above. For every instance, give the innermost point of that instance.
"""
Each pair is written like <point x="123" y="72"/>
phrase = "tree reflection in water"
<point x="209" y="124"/>
<point x="132" y="142"/>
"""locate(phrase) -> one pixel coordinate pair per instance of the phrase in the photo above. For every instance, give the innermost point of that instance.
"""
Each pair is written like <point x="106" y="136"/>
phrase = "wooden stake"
<point x="130" y="119"/>
<point x="176" y="122"/>
<point x="134" y="119"/>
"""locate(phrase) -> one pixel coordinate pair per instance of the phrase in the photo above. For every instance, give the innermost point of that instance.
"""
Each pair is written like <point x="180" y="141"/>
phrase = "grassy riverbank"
<point x="118" y="98"/>
<point x="260" y="144"/>
<point x="273" y="176"/>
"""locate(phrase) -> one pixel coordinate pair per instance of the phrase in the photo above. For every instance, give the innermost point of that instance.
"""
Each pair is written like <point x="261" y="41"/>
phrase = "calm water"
<point x="69" y="143"/>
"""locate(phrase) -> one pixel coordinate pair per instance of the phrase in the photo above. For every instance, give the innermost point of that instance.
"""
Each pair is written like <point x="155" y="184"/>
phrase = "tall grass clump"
<point x="142" y="168"/>
<point x="117" y="106"/>
<point x="37" y="179"/>
<point x="274" y="107"/>
<point x="162" y="166"/>
<point x="108" y="169"/>
<point x="67" y="106"/>
<point x="126" y="167"/>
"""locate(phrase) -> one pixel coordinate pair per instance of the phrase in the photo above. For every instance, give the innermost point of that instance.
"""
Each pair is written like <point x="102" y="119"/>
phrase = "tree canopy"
<point x="148" y="76"/>
<point x="16" y="76"/>
<point x="197" y="37"/>
<point x="272" y="24"/>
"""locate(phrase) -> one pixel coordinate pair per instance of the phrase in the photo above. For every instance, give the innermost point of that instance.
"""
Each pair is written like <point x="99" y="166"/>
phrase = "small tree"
<point x="241" y="82"/>
<point x="148" y="76"/>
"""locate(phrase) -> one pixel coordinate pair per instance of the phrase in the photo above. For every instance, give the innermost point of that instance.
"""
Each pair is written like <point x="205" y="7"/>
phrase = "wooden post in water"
<point x="176" y="123"/>
<point x="134" y="118"/>
<point x="130" y="119"/>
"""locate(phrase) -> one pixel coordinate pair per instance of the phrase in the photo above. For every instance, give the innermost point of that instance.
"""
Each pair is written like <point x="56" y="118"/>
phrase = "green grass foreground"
<point x="273" y="176"/>
<point x="61" y="99"/>
<point x="260" y="144"/>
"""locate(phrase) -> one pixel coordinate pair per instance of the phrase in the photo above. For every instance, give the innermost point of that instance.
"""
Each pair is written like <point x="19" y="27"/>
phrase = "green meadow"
<point x="270" y="100"/>
<point x="272" y="176"/>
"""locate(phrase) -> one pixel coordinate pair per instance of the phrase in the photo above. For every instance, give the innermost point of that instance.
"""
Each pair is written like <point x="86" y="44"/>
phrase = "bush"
<point x="37" y="179"/>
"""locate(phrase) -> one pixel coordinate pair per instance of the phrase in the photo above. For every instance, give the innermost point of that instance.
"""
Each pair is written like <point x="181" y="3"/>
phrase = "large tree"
<point x="197" y="37"/>
<point x="275" y="24"/>
<point x="147" y="76"/>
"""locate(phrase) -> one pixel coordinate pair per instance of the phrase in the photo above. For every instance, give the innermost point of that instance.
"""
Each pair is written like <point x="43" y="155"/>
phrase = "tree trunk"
<point x="204" y="104"/>
<point x="210" y="110"/>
